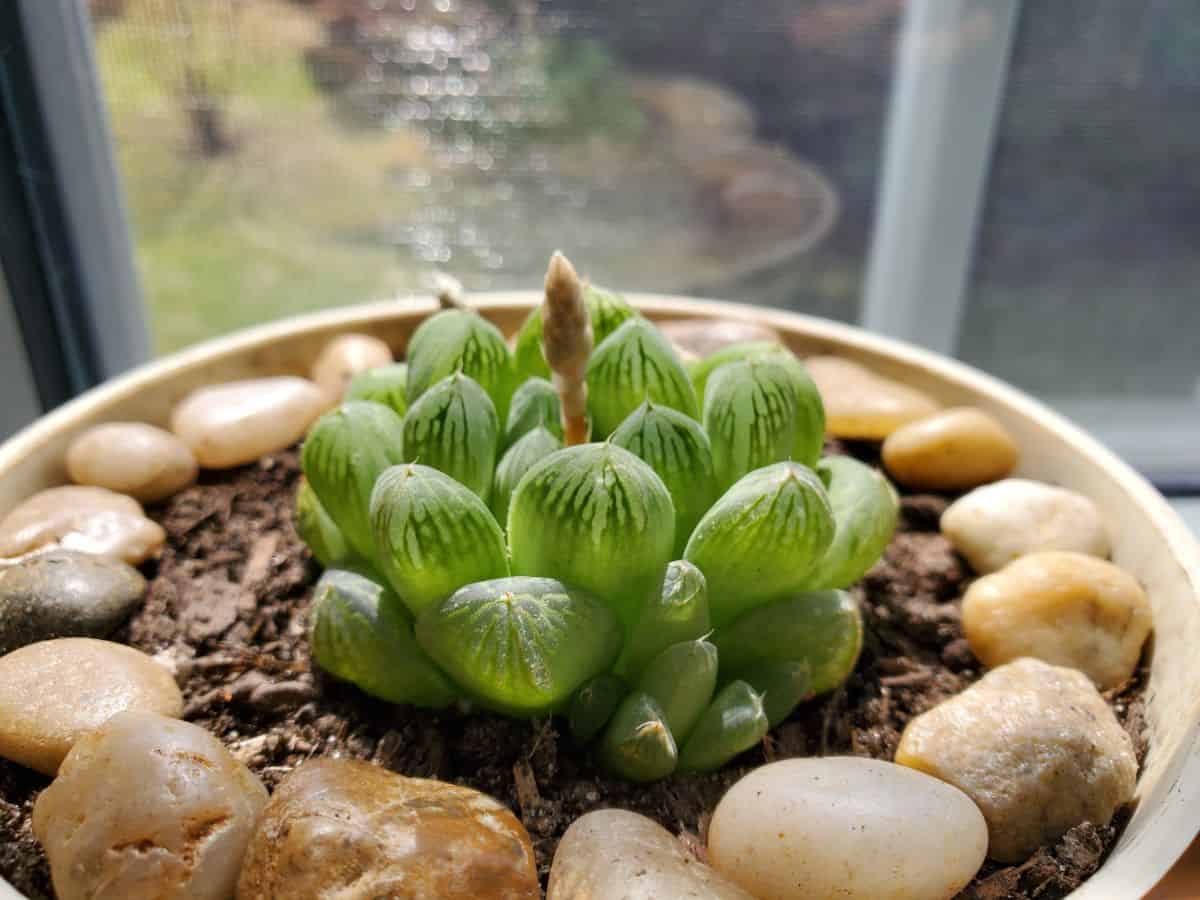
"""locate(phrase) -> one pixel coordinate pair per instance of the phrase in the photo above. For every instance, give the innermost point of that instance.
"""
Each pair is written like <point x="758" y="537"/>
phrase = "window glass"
<point x="286" y="155"/>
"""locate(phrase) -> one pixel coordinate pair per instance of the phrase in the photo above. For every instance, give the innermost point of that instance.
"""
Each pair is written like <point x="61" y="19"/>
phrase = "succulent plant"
<point x="517" y="460"/>
<point x="456" y="340"/>
<point x="344" y="453"/>
<point x="452" y="427"/>
<point x="599" y="518"/>
<point x="678" y="612"/>
<point x="433" y="535"/>
<point x="782" y="683"/>
<point x="676" y="447"/>
<point x="593" y="706"/>
<point x="822" y="629"/>
<point x="317" y="529"/>
<point x="762" y="538"/>
<point x="360" y="632"/>
<point x="521" y="645"/>
<point x="733" y="723"/>
<point x="606" y="310"/>
<point x="865" y="510"/>
<point x="681" y="680"/>
<point x="534" y="405"/>
<point x="750" y="417"/>
<point x="633" y="364"/>
<point x="385" y="384"/>
<point x="637" y="744"/>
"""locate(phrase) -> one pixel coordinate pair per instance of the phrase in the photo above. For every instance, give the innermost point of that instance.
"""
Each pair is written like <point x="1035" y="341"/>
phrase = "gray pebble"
<point x="65" y="594"/>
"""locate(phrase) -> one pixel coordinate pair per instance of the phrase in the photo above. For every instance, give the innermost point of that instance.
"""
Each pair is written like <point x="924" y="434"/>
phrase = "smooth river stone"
<point x="54" y="692"/>
<point x="860" y="405"/>
<point x="845" y="827"/>
<point x="344" y="357"/>
<point x="147" y="463"/>
<point x="697" y="338"/>
<point x="1068" y="609"/>
<point x="340" y="829"/>
<point x="996" y="523"/>
<point x="87" y="519"/>
<point x="147" y="808"/>
<point x="236" y="423"/>
<point x="612" y="854"/>
<point x="953" y="450"/>
<point x="61" y="593"/>
<point x="1035" y="746"/>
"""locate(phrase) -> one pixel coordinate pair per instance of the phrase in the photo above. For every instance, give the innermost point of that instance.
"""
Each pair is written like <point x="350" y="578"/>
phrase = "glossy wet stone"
<point x="346" y="356"/>
<point x="147" y="463"/>
<point x="861" y="405"/>
<point x="953" y="450"/>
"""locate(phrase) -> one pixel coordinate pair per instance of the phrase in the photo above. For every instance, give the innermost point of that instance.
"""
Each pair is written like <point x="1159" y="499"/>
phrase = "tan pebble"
<point x="860" y="405"/>
<point x="953" y="450"/>
<point x="234" y="424"/>
<point x="147" y="463"/>
<point x="54" y="692"/>
<point x="147" y="806"/>
<point x="344" y="357"/>
<point x="1037" y="749"/>
<point x="697" y="338"/>
<point x="996" y="523"/>
<point x="340" y="828"/>
<point x="1068" y="609"/>
<point x="86" y="519"/>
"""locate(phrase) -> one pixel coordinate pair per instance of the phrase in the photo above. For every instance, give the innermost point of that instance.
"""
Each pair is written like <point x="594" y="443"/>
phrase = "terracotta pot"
<point x="1149" y="539"/>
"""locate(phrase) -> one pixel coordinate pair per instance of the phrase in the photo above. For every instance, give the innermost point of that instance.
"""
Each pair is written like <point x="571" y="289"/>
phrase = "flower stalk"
<point x="567" y="343"/>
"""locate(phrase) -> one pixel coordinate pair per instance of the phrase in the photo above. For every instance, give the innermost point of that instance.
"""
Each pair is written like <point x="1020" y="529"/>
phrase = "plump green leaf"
<point x="521" y="646"/>
<point x="633" y="364"/>
<point x="517" y="460"/>
<point x="361" y="632"/>
<point x="433" y="535"/>
<point x="456" y="340"/>
<point x="344" y="453"/>
<point x="822" y="629"/>
<point x="750" y="417"/>
<point x="782" y="684"/>
<point x="733" y="723"/>
<point x="676" y="447"/>
<point x="453" y="428"/>
<point x="316" y="529"/>
<point x="593" y="706"/>
<point x="678" y="612"/>
<point x="637" y="744"/>
<point x="681" y="680"/>
<point x="606" y="310"/>
<point x="385" y="384"/>
<point x="865" y="510"/>
<point x="762" y="538"/>
<point x="534" y="405"/>
<point x="595" y="516"/>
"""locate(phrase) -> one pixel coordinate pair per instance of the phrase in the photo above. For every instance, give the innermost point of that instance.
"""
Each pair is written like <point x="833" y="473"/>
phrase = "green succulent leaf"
<point x="750" y="417"/>
<point x="344" y="453"/>
<point x="517" y="460"/>
<point x="865" y="510"/>
<point x="433" y="535"/>
<point x="593" y="706"/>
<point x="360" y="632"/>
<point x="782" y="684"/>
<point x="453" y="428"/>
<point x="638" y="745"/>
<point x="733" y="723"/>
<point x="595" y="516"/>
<point x="521" y="646"/>
<point x="606" y="310"/>
<point x="534" y="405"/>
<point x="316" y="529"/>
<point x="676" y="447"/>
<point x="633" y="364"/>
<point x="456" y="340"/>
<point x="385" y="385"/>
<point x="681" y="680"/>
<point x="762" y="538"/>
<point x="822" y="629"/>
<point x="678" y="612"/>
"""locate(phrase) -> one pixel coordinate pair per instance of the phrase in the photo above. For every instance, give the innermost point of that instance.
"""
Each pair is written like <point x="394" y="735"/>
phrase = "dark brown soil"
<point x="227" y="607"/>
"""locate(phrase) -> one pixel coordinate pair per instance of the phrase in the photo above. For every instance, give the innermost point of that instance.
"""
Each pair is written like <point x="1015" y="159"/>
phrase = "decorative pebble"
<point x="697" y="338"/>
<point x="236" y="423"/>
<point x="861" y="405"/>
<point x="147" y="463"/>
<point x="147" y="806"/>
<point x="344" y="357"/>
<point x="950" y="451"/>
<point x="65" y="594"/>
<point x="339" y="828"/>
<point x="613" y="854"/>
<point x="1068" y="609"/>
<point x="87" y="519"/>
<point x="54" y="692"/>
<point x="1035" y="746"/>
<point x="995" y="524"/>
<point x="858" y="829"/>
